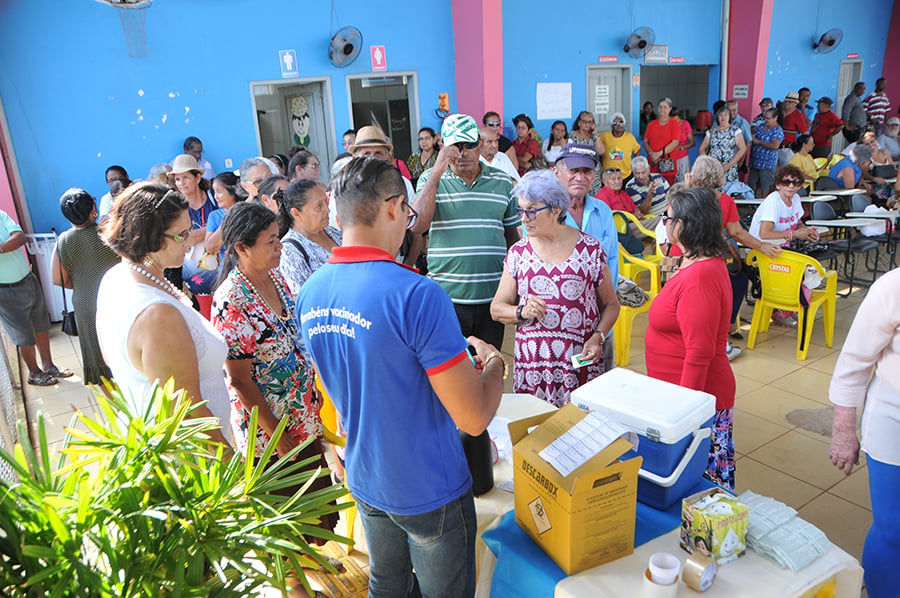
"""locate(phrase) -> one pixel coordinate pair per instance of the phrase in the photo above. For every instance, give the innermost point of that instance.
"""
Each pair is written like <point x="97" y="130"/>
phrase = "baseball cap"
<point x="766" y="101"/>
<point x="825" y="100"/>
<point x="893" y="121"/>
<point x="459" y="127"/>
<point x="579" y="155"/>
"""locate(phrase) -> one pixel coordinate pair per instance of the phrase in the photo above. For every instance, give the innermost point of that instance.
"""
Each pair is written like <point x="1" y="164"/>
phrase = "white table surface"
<point x="843" y="222"/>
<point x="750" y="575"/>
<point x="839" y="192"/>
<point x="889" y="215"/>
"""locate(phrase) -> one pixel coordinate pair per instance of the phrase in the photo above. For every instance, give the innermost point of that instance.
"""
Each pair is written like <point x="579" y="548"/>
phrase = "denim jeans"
<point x="439" y="545"/>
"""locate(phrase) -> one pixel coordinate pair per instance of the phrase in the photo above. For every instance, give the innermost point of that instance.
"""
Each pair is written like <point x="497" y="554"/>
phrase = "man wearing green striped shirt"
<point x="467" y="207"/>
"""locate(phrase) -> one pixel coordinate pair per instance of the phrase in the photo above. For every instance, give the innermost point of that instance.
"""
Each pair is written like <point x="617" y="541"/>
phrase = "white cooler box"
<point x="674" y="424"/>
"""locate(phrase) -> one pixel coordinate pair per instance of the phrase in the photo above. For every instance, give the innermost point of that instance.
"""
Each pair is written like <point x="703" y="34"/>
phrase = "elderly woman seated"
<point x="617" y="199"/>
<point x="557" y="290"/>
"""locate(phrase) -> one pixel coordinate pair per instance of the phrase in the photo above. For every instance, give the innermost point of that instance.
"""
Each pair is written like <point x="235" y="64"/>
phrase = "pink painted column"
<point x="748" y="51"/>
<point x="891" y="68"/>
<point x="478" y="43"/>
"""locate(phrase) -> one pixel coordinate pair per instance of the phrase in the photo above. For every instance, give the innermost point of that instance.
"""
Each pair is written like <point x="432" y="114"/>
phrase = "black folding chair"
<point x="859" y="203"/>
<point x="850" y="246"/>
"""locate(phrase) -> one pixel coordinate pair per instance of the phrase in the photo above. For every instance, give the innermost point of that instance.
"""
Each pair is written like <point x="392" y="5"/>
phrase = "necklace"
<point x="286" y="306"/>
<point x="163" y="284"/>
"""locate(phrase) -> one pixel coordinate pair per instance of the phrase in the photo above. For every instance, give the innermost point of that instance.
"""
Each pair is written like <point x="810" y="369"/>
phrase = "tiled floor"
<point x="775" y="457"/>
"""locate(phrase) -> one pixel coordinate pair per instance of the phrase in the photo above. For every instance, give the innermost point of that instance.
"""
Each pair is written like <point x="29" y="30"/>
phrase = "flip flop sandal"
<point x="42" y="379"/>
<point x="736" y="334"/>
<point x="58" y="373"/>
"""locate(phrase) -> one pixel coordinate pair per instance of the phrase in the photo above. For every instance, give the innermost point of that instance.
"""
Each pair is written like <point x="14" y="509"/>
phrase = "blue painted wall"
<point x="556" y="41"/>
<point x="76" y="102"/>
<point x="792" y="63"/>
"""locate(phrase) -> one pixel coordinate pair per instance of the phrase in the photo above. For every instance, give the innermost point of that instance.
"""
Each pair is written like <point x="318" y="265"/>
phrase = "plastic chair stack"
<point x="782" y="278"/>
<point x="329" y="417"/>
<point x="633" y="268"/>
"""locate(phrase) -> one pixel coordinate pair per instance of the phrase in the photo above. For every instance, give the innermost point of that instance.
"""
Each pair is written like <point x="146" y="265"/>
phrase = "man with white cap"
<point x="621" y="146"/>
<point x="888" y="140"/>
<point x="575" y="169"/>
<point x="468" y="209"/>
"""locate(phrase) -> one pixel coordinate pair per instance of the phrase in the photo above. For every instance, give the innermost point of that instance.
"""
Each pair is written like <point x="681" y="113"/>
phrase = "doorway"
<point x="295" y="113"/>
<point x="850" y="74"/>
<point x="608" y="92"/>
<point x="687" y="85"/>
<point x="391" y="102"/>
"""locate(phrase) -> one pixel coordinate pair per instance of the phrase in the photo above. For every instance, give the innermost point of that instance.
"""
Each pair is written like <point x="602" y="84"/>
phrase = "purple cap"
<point x="578" y="155"/>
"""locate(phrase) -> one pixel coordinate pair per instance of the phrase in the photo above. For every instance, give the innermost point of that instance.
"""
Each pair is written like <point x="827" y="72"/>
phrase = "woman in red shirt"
<point x="661" y="138"/>
<point x="690" y="318"/>
<point x="525" y="145"/>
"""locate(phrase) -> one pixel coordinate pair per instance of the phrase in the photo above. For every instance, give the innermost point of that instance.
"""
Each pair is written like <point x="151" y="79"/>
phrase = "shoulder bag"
<point x="69" y="326"/>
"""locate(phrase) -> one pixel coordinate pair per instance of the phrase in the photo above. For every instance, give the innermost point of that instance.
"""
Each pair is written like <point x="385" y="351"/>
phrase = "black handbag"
<point x="68" y="317"/>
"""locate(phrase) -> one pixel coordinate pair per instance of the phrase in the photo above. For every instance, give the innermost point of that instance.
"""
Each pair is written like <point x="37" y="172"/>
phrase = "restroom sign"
<point x="288" y="61"/>
<point x="379" y="59"/>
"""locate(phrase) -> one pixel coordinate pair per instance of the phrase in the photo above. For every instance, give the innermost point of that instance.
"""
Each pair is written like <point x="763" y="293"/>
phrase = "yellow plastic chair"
<point x="781" y="278"/>
<point x="633" y="267"/>
<point x="329" y="417"/>
<point x="821" y="164"/>
<point x="625" y="322"/>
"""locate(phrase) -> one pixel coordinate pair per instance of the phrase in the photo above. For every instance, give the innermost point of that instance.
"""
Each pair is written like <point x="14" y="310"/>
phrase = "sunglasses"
<point x="794" y="182"/>
<point x="469" y="145"/>
<point x="529" y="214"/>
<point x="493" y="123"/>
<point x="313" y="166"/>
<point x="618" y="122"/>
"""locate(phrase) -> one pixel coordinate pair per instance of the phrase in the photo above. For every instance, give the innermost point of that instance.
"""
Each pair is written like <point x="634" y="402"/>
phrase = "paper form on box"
<point x="583" y="441"/>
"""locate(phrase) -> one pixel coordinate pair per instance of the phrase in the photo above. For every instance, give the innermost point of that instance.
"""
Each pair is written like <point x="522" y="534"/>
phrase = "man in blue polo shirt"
<point x="575" y="170"/>
<point x="389" y="351"/>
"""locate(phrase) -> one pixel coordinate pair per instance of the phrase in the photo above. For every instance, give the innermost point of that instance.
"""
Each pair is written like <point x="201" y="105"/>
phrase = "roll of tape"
<point x="699" y="572"/>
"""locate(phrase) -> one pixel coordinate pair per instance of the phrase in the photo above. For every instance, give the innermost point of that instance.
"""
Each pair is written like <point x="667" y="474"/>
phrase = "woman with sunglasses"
<point x="777" y="220"/>
<point x="690" y="317"/>
<point x="557" y="290"/>
<point x="148" y="329"/>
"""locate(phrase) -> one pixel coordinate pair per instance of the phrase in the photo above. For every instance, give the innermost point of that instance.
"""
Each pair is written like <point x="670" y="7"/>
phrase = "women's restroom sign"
<point x="379" y="59"/>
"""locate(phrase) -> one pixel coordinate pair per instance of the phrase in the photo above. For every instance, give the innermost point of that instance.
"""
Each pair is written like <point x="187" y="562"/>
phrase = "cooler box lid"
<point x="655" y="409"/>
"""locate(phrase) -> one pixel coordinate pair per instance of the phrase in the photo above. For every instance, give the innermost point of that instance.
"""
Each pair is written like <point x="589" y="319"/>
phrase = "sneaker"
<point x="733" y="351"/>
<point x="784" y="319"/>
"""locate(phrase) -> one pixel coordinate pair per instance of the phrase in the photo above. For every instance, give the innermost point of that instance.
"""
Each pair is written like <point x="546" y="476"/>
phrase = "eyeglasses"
<point x="469" y="145"/>
<point x="413" y="215"/>
<point x="529" y="214"/>
<point x="181" y="237"/>
<point x="493" y="123"/>
<point x="791" y="182"/>
<point x="313" y="166"/>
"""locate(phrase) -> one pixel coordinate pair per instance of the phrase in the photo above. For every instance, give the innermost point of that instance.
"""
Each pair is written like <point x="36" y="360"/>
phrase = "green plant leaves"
<point x="143" y="503"/>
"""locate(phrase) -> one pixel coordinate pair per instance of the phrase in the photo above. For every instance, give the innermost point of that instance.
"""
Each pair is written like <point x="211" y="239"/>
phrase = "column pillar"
<point x="478" y="52"/>
<point x="749" y="25"/>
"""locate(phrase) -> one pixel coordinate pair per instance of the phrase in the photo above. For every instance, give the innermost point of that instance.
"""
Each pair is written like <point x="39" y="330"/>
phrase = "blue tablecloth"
<point x="524" y="570"/>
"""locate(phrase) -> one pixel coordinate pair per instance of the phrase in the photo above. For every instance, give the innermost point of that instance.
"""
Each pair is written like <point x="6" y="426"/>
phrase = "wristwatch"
<point x="519" y="311"/>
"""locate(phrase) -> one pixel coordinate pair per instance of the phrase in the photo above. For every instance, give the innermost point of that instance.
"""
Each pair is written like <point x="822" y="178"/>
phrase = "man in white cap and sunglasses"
<point x="468" y="209"/>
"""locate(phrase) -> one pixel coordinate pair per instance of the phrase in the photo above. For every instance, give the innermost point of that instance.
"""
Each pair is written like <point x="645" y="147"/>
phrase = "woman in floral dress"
<point x="254" y="311"/>
<point x="725" y="143"/>
<point x="556" y="288"/>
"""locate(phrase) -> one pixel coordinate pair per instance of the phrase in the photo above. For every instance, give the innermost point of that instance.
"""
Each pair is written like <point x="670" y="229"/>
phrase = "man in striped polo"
<point x="467" y="207"/>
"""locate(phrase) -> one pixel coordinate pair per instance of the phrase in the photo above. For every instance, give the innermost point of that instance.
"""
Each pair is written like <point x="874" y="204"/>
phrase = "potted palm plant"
<point x="145" y="504"/>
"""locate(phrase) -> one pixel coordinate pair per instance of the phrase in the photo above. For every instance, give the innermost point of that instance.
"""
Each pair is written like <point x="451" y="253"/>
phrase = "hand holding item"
<point x="534" y="308"/>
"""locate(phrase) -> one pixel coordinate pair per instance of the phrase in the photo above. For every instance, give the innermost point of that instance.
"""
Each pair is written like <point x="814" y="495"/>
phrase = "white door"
<point x="608" y="92"/>
<point x="292" y="114"/>
<point x="850" y="74"/>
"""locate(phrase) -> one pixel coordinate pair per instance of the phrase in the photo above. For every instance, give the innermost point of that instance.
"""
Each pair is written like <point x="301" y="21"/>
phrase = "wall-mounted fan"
<point x="829" y="41"/>
<point x="345" y="46"/>
<point x="640" y="40"/>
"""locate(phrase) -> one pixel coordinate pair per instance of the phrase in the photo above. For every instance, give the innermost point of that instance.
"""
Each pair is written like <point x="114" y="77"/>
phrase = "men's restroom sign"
<point x="379" y="59"/>
<point x="288" y="61"/>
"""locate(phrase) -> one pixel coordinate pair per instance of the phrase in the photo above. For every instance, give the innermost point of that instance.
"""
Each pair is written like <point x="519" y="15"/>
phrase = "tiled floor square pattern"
<point x="775" y="457"/>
